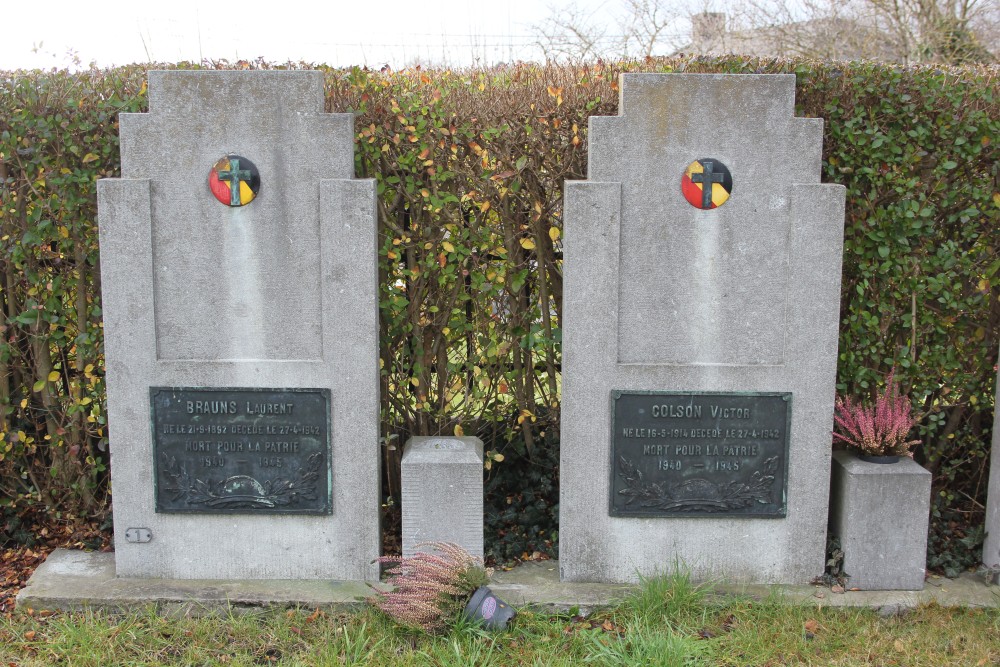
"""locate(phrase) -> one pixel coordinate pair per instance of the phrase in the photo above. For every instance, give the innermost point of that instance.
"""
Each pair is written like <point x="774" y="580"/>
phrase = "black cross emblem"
<point x="234" y="175"/>
<point x="706" y="178"/>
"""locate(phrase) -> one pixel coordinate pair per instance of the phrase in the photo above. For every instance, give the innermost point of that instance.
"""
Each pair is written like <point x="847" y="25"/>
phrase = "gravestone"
<point x="700" y="336"/>
<point x="442" y="493"/>
<point x="991" y="545"/>
<point x="238" y="260"/>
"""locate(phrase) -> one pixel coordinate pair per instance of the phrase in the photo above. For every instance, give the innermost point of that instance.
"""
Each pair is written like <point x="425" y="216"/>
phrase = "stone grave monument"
<point x="238" y="260"/>
<point x="702" y="277"/>
<point x="991" y="545"/>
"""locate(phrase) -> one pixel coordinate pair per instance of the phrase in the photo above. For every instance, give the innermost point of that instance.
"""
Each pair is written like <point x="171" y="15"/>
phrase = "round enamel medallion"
<point x="234" y="180"/>
<point x="706" y="183"/>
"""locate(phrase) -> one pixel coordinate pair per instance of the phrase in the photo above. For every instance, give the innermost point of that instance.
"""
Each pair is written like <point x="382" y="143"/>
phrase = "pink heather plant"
<point x="429" y="589"/>
<point x="876" y="431"/>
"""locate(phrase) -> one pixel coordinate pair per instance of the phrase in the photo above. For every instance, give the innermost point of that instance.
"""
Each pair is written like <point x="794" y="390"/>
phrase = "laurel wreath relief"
<point x="698" y="494"/>
<point x="243" y="491"/>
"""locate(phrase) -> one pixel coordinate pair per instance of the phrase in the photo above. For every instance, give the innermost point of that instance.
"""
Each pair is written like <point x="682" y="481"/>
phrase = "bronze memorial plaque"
<point x="696" y="454"/>
<point x="256" y="451"/>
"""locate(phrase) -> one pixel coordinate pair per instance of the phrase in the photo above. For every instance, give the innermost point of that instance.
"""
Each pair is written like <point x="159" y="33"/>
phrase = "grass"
<point x="668" y="622"/>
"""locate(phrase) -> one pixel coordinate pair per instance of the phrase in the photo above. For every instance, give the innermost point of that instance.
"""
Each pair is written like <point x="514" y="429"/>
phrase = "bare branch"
<point x="905" y="31"/>
<point x="649" y="24"/>
<point x="570" y="33"/>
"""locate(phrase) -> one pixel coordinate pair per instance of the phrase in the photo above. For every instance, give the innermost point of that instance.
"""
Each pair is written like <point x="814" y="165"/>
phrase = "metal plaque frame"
<point x="675" y="458"/>
<point x="241" y="450"/>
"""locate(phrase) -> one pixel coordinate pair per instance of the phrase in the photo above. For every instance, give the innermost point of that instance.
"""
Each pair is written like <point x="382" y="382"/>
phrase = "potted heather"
<point x="879" y="496"/>
<point x="876" y="433"/>
<point x="428" y="590"/>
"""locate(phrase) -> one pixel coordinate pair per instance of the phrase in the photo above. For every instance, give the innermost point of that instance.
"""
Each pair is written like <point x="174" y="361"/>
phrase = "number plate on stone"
<point x="699" y="454"/>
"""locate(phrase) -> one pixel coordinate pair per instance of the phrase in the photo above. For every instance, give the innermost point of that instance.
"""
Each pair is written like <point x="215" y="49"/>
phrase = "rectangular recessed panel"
<point x="678" y="454"/>
<point x="702" y="287"/>
<point x="248" y="451"/>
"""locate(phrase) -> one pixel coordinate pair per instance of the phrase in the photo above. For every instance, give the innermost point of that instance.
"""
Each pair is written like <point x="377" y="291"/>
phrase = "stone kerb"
<point x="279" y="293"/>
<point x="662" y="296"/>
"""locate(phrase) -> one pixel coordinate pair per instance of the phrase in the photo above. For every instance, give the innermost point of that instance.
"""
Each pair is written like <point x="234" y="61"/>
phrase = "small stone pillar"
<point x="442" y="488"/>
<point x="880" y="513"/>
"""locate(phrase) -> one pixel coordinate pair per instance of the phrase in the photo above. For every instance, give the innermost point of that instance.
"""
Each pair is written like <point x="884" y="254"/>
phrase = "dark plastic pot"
<point x="891" y="458"/>
<point x="490" y="610"/>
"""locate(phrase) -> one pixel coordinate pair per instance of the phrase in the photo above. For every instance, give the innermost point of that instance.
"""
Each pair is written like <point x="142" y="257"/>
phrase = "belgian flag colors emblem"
<point x="707" y="183"/>
<point x="234" y="180"/>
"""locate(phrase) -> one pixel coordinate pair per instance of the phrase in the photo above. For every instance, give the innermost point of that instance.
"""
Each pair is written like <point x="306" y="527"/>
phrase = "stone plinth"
<point x="442" y="484"/>
<point x="880" y="513"/>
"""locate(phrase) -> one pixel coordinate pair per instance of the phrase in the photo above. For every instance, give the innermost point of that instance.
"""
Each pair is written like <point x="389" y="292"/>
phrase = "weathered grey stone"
<point x="73" y="580"/>
<point x="76" y="580"/>
<point x="880" y="513"/>
<point x="894" y="610"/>
<point x="279" y="293"/>
<point x="442" y="492"/>
<point x="659" y="295"/>
<point x="991" y="546"/>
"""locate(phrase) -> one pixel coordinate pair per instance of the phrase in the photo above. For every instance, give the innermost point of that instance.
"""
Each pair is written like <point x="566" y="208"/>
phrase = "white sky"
<point x="43" y="33"/>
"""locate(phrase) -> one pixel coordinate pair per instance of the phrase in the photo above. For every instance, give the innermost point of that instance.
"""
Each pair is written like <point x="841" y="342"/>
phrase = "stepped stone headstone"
<point x="238" y="259"/>
<point x="442" y="493"/>
<point x="991" y="546"/>
<point x="701" y="304"/>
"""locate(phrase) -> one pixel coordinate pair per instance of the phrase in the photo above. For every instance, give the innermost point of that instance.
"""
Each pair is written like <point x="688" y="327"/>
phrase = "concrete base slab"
<point x="74" y="580"/>
<point x="538" y="584"/>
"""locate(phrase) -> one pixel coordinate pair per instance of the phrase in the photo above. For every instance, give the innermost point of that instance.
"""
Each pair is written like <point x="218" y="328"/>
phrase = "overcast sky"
<point x="48" y="33"/>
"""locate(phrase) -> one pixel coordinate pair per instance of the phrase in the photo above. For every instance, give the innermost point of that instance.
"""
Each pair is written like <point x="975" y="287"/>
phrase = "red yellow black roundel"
<point x="234" y="180"/>
<point x="706" y="183"/>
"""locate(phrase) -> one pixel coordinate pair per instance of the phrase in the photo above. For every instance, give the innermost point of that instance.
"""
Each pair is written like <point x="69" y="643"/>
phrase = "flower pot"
<point x="872" y="458"/>
<point x="493" y="612"/>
